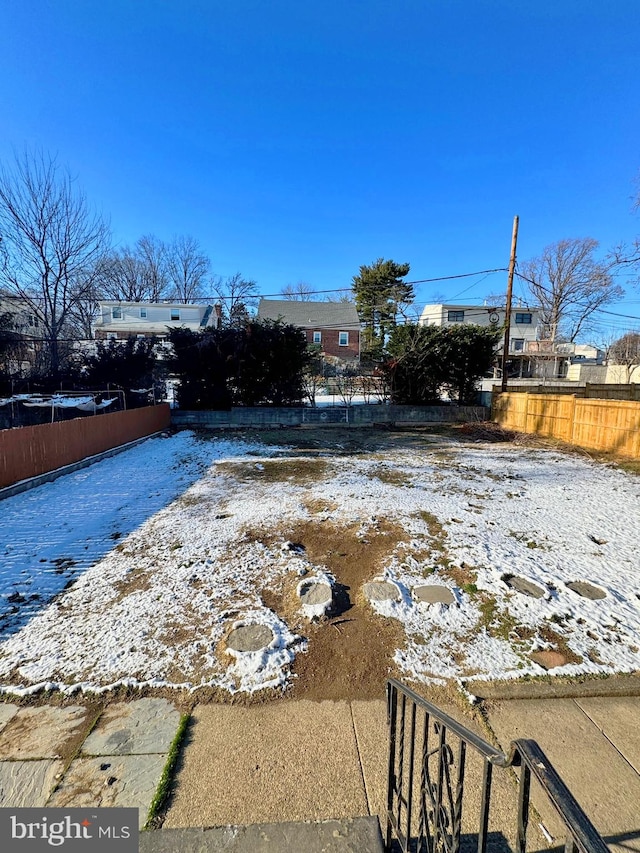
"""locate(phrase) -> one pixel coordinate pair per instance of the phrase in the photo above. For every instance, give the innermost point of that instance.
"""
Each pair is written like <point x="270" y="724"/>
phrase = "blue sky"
<point x="297" y="140"/>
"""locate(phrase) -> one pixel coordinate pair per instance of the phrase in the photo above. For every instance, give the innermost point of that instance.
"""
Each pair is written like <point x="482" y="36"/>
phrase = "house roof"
<point x="335" y="315"/>
<point x="122" y="304"/>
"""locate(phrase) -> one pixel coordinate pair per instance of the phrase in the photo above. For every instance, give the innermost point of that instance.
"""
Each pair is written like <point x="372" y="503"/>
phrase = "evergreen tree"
<point x="129" y="365"/>
<point x="379" y="293"/>
<point x="424" y="361"/>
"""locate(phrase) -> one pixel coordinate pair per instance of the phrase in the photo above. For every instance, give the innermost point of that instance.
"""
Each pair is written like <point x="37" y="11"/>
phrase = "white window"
<point x="343" y="339"/>
<point x="112" y="336"/>
<point x="141" y="337"/>
<point x="517" y="344"/>
<point x="143" y="313"/>
<point x="116" y="313"/>
<point x="175" y="313"/>
<point x="317" y="337"/>
<point x="455" y="316"/>
<point x="523" y="318"/>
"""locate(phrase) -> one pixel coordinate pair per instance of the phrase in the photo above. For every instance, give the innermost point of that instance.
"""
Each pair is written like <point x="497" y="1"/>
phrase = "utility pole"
<point x="507" y="313"/>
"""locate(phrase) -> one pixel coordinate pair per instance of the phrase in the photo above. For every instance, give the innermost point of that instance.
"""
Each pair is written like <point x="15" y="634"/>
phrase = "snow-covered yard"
<point x="173" y="544"/>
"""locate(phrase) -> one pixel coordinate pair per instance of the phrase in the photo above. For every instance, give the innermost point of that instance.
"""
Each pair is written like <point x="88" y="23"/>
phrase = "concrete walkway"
<point x="283" y="762"/>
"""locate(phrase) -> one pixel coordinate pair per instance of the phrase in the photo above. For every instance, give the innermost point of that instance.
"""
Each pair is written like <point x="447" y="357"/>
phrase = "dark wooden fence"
<point x="29" y="451"/>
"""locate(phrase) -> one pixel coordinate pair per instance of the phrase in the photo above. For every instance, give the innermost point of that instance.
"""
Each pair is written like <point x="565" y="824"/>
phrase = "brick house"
<point x="122" y="320"/>
<point x="333" y="326"/>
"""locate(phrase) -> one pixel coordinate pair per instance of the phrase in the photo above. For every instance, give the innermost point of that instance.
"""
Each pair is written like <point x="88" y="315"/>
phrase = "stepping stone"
<point x="434" y="594"/>
<point x="523" y="586"/>
<point x="548" y="659"/>
<point x="381" y="591"/>
<point x="40" y="732"/>
<point x="134" y="728"/>
<point x="587" y="590"/>
<point x="7" y="712"/>
<point x="27" y="784"/>
<point x="249" y="638"/>
<point x="316" y="593"/>
<point x="129" y="781"/>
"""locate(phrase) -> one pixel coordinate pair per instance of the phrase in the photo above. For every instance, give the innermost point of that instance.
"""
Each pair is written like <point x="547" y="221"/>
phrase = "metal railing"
<point x="428" y="755"/>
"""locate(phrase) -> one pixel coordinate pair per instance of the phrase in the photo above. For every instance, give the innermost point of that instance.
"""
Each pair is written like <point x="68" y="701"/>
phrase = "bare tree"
<point x="51" y="242"/>
<point x="152" y="253"/>
<point x="626" y="351"/>
<point x="187" y="268"/>
<point x="298" y="292"/>
<point x="569" y="284"/>
<point x="238" y="297"/>
<point x="135" y="274"/>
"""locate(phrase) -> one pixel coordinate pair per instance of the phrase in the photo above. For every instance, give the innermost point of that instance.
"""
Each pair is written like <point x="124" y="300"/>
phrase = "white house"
<point x="122" y="320"/>
<point x="524" y="329"/>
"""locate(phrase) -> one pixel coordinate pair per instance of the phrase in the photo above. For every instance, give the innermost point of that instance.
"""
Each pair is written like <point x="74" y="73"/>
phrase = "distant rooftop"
<point x="342" y="315"/>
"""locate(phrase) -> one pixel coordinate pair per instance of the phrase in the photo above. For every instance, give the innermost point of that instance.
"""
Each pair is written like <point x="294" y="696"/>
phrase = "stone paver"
<point x="7" y="712"/>
<point x="281" y="761"/>
<point x="587" y="590"/>
<point x="27" y="784"/>
<point x="524" y="586"/>
<point x="249" y="638"/>
<point x="381" y="591"/>
<point x="316" y="593"/>
<point x="40" y="732"/>
<point x="107" y="781"/>
<point x="433" y="594"/>
<point x="601" y="780"/>
<point x="142" y="727"/>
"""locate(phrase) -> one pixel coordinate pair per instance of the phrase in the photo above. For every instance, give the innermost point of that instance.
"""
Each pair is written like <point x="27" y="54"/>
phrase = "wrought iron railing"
<point x="434" y="807"/>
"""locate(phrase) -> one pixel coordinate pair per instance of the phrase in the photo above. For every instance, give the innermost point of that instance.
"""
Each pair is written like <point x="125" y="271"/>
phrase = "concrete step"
<point x="350" y="835"/>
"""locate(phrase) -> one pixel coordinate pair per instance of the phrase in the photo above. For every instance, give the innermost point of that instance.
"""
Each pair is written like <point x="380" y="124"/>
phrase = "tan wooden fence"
<point x="612" y="426"/>
<point x="601" y="391"/>
<point x="29" y="451"/>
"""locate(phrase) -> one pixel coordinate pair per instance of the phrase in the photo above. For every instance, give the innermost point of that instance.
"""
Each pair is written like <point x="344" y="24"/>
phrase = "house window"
<point x="455" y="316"/>
<point x="524" y="319"/>
<point x="116" y="313"/>
<point x="343" y="339"/>
<point x="143" y="313"/>
<point x="317" y="337"/>
<point x="175" y="313"/>
<point x="33" y="320"/>
<point x="517" y="345"/>
<point x="112" y="336"/>
<point x="141" y="337"/>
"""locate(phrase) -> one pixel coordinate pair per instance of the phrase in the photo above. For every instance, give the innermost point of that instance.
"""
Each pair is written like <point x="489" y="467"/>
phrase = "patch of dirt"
<point x="300" y="471"/>
<point x="548" y="659"/>
<point x="390" y="476"/>
<point x="559" y="643"/>
<point x="137" y="580"/>
<point x="350" y="653"/>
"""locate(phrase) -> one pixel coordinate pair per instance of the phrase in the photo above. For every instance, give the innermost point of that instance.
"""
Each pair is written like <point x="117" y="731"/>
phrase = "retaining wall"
<point x="612" y="426"/>
<point x="27" y="452"/>
<point x="361" y="415"/>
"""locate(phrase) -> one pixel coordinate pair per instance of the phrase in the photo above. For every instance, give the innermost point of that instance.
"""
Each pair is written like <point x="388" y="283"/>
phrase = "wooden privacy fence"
<point x="611" y="426"/>
<point x="601" y="391"/>
<point x="29" y="451"/>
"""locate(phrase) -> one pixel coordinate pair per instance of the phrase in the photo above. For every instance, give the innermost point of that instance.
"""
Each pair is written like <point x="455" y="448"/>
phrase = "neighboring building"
<point x="122" y="320"/>
<point x="528" y="357"/>
<point x="334" y="327"/>
<point x="525" y="322"/>
<point x="22" y="355"/>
